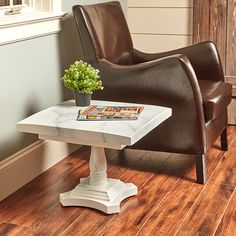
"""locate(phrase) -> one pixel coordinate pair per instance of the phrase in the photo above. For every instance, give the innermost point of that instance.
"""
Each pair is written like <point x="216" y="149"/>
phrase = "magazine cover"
<point x="95" y="112"/>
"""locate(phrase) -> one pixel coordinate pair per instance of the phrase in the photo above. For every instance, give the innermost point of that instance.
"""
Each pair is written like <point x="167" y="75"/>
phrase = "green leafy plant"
<point x="82" y="77"/>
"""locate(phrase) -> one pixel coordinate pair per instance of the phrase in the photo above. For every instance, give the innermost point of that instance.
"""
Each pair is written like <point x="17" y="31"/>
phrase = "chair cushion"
<point x="216" y="97"/>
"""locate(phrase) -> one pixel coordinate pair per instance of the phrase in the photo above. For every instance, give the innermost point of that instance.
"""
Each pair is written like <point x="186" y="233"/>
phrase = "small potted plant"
<point x="82" y="79"/>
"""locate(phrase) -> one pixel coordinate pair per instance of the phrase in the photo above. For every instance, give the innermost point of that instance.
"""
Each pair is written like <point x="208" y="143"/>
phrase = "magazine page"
<point x="110" y="113"/>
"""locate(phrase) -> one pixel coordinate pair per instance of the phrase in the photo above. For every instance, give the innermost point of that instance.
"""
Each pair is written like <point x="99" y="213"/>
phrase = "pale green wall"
<point x="29" y="76"/>
<point x="29" y="82"/>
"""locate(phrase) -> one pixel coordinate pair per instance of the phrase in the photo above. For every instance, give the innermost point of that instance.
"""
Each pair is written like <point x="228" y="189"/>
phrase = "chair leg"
<point x="201" y="169"/>
<point x="224" y="141"/>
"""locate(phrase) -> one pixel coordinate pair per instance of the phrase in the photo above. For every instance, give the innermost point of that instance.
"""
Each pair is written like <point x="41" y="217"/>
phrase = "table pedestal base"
<point x="105" y="198"/>
<point x="97" y="191"/>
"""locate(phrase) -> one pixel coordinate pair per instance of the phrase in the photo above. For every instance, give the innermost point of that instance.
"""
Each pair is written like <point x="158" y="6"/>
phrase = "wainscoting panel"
<point x="158" y="43"/>
<point x="25" y="165"/>
<point x="160" y="25"/>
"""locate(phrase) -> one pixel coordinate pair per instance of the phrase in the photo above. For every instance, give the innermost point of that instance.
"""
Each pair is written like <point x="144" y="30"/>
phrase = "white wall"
<point x="30" y="72"/>
<point x="160" y="25"/>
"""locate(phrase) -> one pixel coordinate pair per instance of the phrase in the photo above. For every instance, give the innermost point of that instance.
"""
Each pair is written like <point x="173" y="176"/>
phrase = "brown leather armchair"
<point x="190" y="80"/>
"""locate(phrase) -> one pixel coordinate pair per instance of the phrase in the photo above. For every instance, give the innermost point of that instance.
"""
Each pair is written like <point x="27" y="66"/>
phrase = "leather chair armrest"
<point x="168" y="73"/>
<point x="204" y="58"/>
<point x="169" y="82"/>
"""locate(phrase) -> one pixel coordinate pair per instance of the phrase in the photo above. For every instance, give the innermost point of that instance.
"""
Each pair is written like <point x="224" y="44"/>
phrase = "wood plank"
<point x="204" y="217"/>
<point x="218" y="26"/>
<point x="227" y="225"/>
<point x="231" y="39"/>
<point x="8" y="229"/>
<point x="206" y="213"/>
<point x="226" y="167"/>
<point x="231" y="57"/>
<point x="150" y="196"/>
<point x="201" y="21"/>
<point x="138" y="175"/>
<point x="177" y="20"/>
<point x="45" y="198"/>
<point x="231" y="130"/>
<point x="172" y="209"/>
<point x="58" y="218"/>
<point x="39" y="188"/>
<point x="137" y="212"/>
<point x="50" y="198"/>
<point x="184" y="194"/>
<point x="45" y="189"/>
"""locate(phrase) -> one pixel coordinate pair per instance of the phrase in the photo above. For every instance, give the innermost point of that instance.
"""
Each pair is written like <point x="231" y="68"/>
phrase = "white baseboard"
<point x="20" y="168"/>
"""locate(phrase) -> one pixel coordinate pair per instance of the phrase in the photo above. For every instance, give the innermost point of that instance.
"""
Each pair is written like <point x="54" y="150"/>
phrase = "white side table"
<point x="97" y="191"/>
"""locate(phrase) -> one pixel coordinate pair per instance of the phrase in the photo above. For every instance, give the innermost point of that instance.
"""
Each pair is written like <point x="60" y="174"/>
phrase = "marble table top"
<point x="59" y="123"/>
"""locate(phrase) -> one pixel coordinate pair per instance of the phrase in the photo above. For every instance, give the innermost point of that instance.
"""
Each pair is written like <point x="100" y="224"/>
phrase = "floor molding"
<point x="23" y="166"/>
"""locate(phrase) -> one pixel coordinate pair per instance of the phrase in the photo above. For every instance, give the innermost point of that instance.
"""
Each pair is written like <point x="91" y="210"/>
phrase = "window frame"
<point x="31" y="24"/>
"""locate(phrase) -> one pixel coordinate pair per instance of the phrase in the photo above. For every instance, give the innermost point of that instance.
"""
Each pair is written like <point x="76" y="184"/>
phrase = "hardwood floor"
<point x="169" y="201"/>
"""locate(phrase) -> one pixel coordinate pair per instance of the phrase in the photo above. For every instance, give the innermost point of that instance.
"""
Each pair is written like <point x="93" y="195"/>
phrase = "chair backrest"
<point x="104" y="32"/>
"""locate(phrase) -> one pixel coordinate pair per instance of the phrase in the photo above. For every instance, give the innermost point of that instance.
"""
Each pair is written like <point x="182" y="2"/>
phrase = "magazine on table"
<point x="97" y="112"/>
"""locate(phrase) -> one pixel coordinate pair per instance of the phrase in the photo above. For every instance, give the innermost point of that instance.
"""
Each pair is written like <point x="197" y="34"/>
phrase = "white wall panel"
<point x="158" y="43"/>
<point x="160" y="20"/>
<point x="160" y="25"/>
<point x="160" y="3"/>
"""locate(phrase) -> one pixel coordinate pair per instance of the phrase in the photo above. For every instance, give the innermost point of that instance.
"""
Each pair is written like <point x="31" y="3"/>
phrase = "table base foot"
<point x="106" y="198"/>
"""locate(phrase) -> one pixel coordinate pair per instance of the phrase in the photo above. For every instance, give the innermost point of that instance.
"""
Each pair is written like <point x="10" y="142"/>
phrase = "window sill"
<point x="21" y="27"/>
